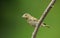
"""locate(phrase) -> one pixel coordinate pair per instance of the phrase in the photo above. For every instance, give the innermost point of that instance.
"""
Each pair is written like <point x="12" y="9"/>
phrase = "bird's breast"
<point x="32" y="22"/>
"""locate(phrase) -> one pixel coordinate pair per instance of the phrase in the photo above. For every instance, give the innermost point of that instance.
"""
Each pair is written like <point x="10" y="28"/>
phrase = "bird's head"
<point x="26" y="15"/>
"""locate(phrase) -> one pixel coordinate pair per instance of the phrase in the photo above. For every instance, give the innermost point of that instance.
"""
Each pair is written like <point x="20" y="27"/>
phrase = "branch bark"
<point x="42" y="18"/>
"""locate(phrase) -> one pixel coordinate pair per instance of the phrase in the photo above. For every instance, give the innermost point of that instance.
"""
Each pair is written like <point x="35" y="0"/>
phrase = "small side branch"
<point x="42" y="18"/>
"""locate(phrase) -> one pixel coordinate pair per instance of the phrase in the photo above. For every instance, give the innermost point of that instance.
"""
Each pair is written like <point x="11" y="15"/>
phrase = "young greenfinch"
<point x="32" y="20"/>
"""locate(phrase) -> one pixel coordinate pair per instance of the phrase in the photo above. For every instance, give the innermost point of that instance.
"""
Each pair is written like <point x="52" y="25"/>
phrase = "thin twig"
<point x="42" y="18"/>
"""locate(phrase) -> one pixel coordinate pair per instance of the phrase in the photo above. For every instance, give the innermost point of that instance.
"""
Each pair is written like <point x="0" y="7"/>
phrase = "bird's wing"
<point x="35" y="19"/>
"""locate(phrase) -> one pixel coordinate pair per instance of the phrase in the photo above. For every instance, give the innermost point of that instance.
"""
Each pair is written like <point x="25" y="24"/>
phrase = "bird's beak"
<point x="23" y="16"/>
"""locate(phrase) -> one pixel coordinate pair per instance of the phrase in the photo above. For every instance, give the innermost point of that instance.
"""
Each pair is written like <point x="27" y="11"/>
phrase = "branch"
<point x="42" y="18"/>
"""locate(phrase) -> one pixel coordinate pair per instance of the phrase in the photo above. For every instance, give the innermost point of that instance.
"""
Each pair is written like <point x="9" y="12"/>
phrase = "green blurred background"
<point x="14" y="26"/>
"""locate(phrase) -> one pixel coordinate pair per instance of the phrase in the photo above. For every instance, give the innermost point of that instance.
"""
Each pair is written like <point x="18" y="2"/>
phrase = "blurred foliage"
<point x="14" y="26"/>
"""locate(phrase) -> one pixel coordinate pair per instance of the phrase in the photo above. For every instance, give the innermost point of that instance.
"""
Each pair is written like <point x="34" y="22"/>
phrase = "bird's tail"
<point x="44" y="25"/>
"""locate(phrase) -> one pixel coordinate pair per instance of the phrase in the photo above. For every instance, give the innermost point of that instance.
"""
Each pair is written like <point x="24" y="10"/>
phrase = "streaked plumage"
<point x="32" y="20"/>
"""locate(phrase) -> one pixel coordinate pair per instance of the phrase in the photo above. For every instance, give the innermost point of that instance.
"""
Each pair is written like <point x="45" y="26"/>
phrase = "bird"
<point x="32" y="20"/>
